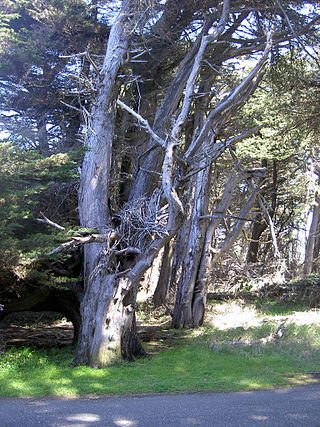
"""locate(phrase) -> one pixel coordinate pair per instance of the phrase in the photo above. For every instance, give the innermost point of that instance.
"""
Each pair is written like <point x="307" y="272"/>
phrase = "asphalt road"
<point x="286" y="407"/>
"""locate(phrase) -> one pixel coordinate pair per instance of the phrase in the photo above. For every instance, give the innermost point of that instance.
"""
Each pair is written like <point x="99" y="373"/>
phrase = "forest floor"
<point x="42" y="330"/>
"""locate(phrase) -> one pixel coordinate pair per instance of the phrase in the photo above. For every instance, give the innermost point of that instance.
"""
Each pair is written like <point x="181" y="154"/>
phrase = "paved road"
<point x="287" y="407"/>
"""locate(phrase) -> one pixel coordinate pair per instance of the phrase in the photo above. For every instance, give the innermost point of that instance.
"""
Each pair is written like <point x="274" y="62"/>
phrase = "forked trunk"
<point x="108" y="323"/>
<point x="108" y="332"/>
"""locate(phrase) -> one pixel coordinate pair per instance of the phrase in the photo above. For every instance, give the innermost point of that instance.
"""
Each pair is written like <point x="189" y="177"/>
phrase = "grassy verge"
<point x="189" y="365"/>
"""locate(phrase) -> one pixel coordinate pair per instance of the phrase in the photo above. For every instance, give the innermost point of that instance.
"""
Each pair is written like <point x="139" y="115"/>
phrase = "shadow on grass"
<point x="188" y="367"/>
<point x="275" y="308"/>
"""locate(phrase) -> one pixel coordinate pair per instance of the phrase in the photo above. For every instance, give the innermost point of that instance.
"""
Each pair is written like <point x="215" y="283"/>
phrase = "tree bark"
<point x="102" y="332"/>
<point x="160" y="293"/>
<point x="312" y="238"/>
<point x="191" y="292"/>
<point x="188" y="310"/>
<point x="109" y="333"/>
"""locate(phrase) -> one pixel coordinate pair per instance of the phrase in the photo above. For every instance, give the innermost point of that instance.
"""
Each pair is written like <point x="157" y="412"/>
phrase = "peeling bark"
<point x="94" y="347"/>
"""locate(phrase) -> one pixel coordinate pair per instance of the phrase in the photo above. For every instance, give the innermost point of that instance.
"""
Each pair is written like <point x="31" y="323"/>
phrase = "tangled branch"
<point x="141" y="220"/>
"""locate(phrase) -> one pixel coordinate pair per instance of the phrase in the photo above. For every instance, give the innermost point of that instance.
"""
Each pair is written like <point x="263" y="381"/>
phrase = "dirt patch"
<point x="39" y="336"/>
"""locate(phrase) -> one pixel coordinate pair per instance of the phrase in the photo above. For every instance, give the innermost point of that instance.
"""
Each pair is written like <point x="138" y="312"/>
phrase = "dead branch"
<point x="273" y="337"/>
<point x="71" y="106"/>
<point x="144" y="123"/>
<point x="226" y="216"/>
<point x="47" y="221"/>
<point x="294" y="33"/>
<point x="272" y="229"/>
<point x="189" y="90"/>
<point x="93" y="63"/>
<point x="231" y="102"/>
<point x="220" y="147"/>
<point x="127" y="251"/>
<point x="78" y="241"/>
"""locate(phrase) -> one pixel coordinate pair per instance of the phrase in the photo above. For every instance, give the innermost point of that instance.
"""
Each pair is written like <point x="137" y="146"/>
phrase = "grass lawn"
<point x="199" y="360"/>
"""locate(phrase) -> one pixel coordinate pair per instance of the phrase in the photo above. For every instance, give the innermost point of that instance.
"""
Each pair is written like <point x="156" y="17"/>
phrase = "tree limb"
<point x="145" y="124"/>
<point x="79" y="241"/>
<point x="47" y="221"/>
<point x="230" y="101"/>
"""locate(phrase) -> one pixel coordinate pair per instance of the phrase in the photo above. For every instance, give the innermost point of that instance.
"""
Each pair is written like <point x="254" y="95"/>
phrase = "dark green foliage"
<point x="25" y="181"/>
<point x="33" y="75"/>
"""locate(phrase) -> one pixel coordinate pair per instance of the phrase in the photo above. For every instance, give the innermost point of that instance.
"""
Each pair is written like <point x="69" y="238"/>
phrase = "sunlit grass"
<point x="30" y="372"/>
<point x="194" y="360"/>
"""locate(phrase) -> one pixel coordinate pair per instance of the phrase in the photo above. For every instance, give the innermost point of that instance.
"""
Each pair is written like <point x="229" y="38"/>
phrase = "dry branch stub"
<point x="272" y="337"/>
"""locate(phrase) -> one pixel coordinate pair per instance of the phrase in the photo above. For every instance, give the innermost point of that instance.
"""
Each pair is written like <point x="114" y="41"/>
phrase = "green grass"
<point x="191" y="367"/>
<point x="274" y="308"/>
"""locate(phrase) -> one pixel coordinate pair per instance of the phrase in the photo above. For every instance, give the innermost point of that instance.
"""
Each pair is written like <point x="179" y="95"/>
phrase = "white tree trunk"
<point x="96" y="345"/>
<point x="312" y="238"/>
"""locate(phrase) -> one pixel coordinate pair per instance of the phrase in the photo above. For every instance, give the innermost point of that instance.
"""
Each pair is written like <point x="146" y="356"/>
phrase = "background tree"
<point x="35" y="83"/>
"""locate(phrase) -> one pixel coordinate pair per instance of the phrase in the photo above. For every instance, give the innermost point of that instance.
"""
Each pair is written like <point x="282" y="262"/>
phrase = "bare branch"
<point x="272" y="230"/>
<point x="220" y="27"/>
<point x="93" y="64"/>
<point x="226" y="216"/>
<point x="230" y="102"/>
<point x="233" y="235"/>
<point x="220" y="147"/>
<point x="127" y="251"/>
<point x="262" y="203"/>
<point x="295" y="33"/>
<point x="78" y="241"/>
<point x="71" y="106"/>
<point x="189" y="91"/>
<point x="47" y="221"/>
<point x="75" y="55"/>
<point x="145" y="124"/>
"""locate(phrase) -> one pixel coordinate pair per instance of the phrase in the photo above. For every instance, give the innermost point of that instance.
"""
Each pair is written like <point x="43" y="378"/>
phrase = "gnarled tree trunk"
<point x="99" y="308"/>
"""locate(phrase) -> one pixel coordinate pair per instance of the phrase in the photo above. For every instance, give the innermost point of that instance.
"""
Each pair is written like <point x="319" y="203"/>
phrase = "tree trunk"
<point x="311" y="241"/>
<point x="109" y="333"/>
<point x="42" y="134"/>
<point x="258" y="228"/>
<point x="160" y="293"/>
<point x="104" y="335"/>
<point x="261" y="223"/>
<point x="110" y="281"/>
<point x="188" y="309"/>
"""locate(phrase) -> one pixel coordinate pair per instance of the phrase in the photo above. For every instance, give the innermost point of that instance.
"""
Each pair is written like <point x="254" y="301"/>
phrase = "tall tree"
<point x="166" y="63"/>
<point x="35" y="85"/>
<point x="113" y="269"/>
